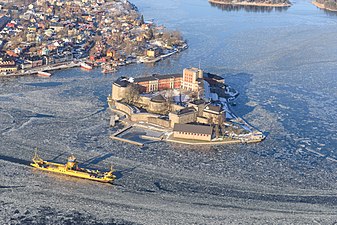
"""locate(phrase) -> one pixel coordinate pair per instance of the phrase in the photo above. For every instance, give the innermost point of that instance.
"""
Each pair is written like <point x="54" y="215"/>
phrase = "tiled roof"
<point x="156" y="77"/>
<point x="192" y="128"/>
<point x="142" y="79"/>
<point x="167" y="76"/>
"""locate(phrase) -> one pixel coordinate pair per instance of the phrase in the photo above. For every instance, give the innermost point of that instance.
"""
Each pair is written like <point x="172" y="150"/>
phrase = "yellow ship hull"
<point x="81" y="173"/>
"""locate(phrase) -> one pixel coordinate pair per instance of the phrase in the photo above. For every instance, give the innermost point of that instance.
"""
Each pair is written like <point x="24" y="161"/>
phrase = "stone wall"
<point x="192" y="136"/>
<point x="157" y="107"/>
<point x="175" y="107"/>
<point x="158" y="121"/>
<point x="144" y="100"/>
<point x="184" y="118"/>
<point x="141" y="117"/>
<point x="123" y="107"/>
<point x="203" y="120"/>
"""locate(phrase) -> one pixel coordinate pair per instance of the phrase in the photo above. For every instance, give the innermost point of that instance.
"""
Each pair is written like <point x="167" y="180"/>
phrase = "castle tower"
<point x="190" y="78"/>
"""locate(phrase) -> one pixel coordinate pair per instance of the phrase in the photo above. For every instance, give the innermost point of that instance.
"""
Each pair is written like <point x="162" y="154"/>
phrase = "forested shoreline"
<point x="326" y="4"/>
<point x="272" y="3"/>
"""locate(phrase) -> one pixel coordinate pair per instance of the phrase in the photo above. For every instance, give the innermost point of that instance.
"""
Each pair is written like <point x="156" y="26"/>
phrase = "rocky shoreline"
<point x="321" y="6"/>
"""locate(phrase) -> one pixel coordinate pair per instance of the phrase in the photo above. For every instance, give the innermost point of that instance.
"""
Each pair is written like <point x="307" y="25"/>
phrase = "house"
<point x="3" y="21"/>
<point x="193" y="132"/>
<point x="111" y="52"/>
<point x="57" y="27"/>
<point x="64" y="57"/>
<point x="32" y="28"/>
<point x="8" y="66"/>
<point x="153" y="52"/>
<point x="34" y="61"/>
<point x="31" y="37"/>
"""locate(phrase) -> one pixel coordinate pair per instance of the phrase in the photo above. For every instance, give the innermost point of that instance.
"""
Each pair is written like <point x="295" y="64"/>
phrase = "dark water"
<point x="45" y="84"/>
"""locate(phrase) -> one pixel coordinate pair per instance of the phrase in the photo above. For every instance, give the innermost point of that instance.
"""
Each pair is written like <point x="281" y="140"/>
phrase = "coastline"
<point x="249" y="4"/>
<point x="44" y="68"/>
<point x="89" y="49"/>
<point x="254" y="136"/>
<point x="321" y="6"/>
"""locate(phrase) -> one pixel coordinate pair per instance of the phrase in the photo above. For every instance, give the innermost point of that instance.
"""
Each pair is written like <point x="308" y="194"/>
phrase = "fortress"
<point x="173" y="101"/>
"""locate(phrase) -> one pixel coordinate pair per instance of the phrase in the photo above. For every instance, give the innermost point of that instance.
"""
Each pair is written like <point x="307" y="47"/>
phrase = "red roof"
<point x="10" y="25"/>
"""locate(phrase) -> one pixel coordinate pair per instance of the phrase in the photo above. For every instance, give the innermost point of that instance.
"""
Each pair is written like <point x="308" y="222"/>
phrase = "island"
<point x="192" y="107"/>
<point x="44" y="35"/>
<point x="329" y="5"/>
<point x="265" y="3"/>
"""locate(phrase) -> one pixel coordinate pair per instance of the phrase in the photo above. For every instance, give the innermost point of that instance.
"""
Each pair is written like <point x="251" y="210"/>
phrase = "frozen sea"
<point x="284" y="64"/>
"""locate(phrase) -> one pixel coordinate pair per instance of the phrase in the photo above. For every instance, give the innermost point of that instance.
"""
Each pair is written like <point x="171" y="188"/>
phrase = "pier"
<point x="44" y="68"/>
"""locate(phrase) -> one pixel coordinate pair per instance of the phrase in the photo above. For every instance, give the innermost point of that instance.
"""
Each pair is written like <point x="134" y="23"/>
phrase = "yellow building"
<point x="193" y="132"/>
<point x="152" y="52"/>
<point x="8" y="66"/>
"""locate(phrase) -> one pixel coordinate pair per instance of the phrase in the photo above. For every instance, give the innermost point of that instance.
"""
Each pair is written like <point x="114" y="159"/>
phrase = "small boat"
<point x="85" y="66"/>
<point x="108" y="69"/>
<point x="43" y="74"/>
<point x="71" y="168"/>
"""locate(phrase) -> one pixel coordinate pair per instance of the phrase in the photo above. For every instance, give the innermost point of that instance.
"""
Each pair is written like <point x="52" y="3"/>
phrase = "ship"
<point x="71" y="168"/>
<point x="43" y="74"/>
<point x="85" y="66"/>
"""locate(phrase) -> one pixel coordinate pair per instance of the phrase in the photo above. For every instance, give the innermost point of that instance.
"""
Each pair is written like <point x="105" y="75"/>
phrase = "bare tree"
<point x="132" y="93"/>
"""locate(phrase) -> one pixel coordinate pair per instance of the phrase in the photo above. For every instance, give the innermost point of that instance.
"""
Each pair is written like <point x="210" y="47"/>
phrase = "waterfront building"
<point x="34" y="61"/>
<point x="8" y="66"/>
<point x="191" y="78"/>
<point x="159" y="82"/>
<point x="214" y="114"/>
<point x="193" y="132"/>
<point x="153" y="52"/>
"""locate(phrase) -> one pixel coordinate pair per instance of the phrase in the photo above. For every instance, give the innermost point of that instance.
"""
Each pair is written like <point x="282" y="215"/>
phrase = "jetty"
<point x="45" y="68"/>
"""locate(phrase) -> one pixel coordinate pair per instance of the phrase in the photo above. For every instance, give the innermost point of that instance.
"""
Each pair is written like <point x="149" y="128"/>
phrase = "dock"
<point x="45" y="68"/>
